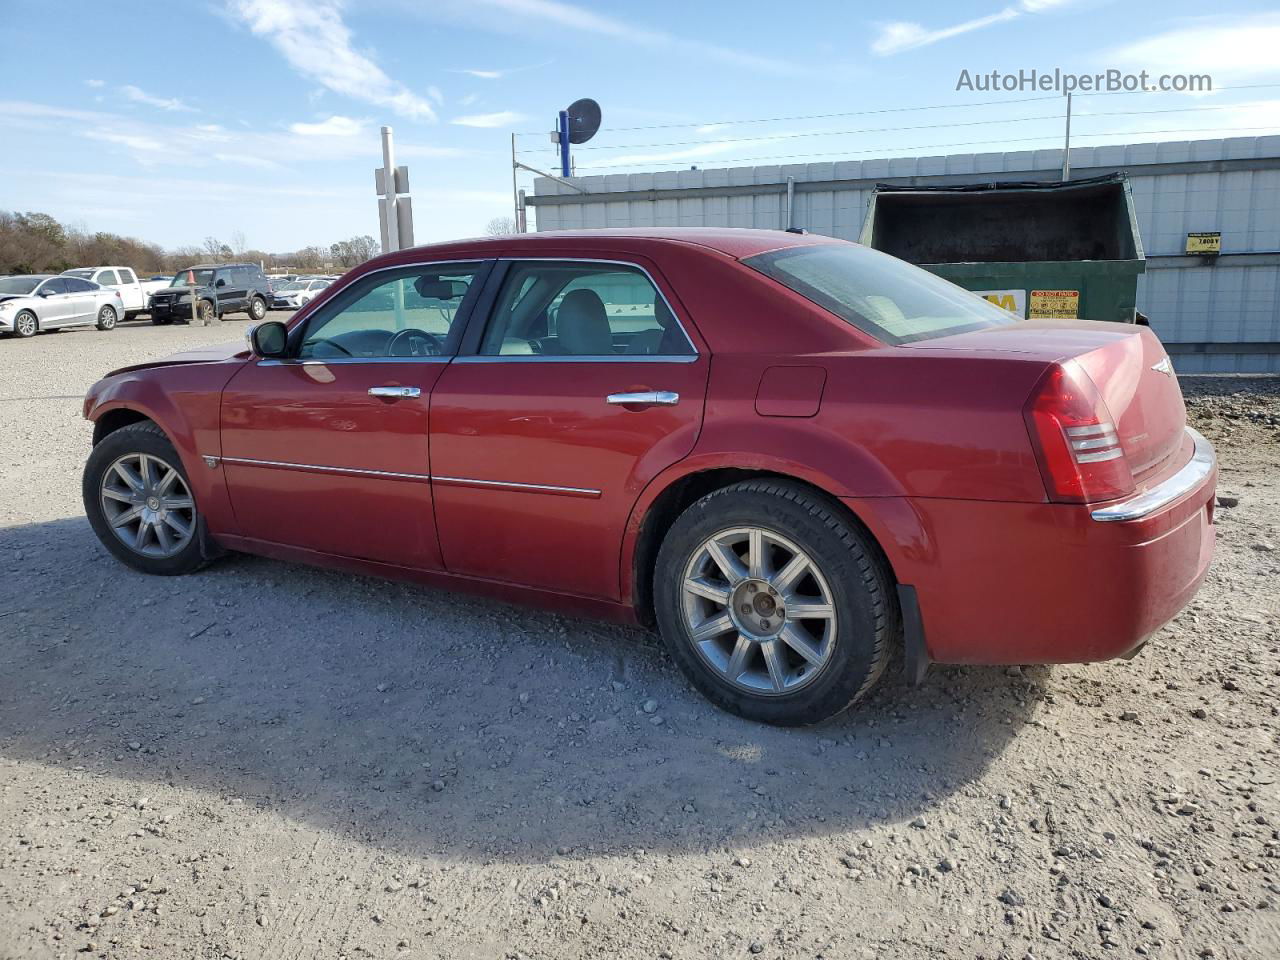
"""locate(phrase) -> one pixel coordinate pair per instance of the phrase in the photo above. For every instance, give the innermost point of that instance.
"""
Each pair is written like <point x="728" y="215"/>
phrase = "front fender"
<point x="184" y="401"/>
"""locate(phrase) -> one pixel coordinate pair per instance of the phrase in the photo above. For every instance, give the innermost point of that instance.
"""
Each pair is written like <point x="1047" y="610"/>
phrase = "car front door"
<point x="328" y="448"/>
<point x="57" y="306"/>
<point x="582" y="388"/>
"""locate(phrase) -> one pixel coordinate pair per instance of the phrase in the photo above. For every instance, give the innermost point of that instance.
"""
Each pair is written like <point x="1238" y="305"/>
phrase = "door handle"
<point x="644" y="398"/>
<point x="394" y="392"/>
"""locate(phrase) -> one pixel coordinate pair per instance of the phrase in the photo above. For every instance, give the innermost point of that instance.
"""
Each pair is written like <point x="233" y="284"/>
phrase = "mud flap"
<point x="915" y="650"/>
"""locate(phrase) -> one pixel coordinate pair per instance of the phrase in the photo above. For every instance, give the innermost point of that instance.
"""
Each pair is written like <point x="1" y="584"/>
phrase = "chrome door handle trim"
<point x="646" y="398"/>
<point x="395" y="392"/>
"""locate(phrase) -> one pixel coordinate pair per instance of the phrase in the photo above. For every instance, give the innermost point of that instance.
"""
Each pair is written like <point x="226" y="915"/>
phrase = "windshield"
<point x="13" y="285"/>
<point x="82" y="274"/>
<point x="881" y="295"/>
<point x="293" y="285"/>
<point x="203" y="278"/>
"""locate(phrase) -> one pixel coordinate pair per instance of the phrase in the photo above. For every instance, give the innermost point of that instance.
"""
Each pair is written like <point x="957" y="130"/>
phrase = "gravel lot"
<point x="269" y="761"/>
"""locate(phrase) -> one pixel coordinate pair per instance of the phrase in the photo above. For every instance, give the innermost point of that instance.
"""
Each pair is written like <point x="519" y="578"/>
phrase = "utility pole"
<point x="390" y="231"/>
<point x="1066" y="150"/>
<point x="395" y="207"/>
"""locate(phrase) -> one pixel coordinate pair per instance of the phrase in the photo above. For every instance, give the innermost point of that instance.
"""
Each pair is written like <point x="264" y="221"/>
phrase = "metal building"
<point x="1216" y="312"/>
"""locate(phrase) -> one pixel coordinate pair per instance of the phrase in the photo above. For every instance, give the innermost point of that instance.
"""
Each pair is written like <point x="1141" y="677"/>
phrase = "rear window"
<point x="883" y="296"/>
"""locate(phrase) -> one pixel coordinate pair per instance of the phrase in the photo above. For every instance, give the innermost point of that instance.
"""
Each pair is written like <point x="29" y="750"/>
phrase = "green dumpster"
<point x="1040" y="250"/>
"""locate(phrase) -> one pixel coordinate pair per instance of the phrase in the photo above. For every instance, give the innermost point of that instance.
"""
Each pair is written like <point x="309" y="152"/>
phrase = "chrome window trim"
<point x="342" y="361"/>
<point x="667" y="357"/>
<point x="212" y="462"/>
<point x="1203" y="460"/>
<point x="551" y="358"/>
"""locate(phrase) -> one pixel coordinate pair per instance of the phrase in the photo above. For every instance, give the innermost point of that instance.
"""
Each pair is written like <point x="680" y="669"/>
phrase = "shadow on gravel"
<point x="432" y="723"/>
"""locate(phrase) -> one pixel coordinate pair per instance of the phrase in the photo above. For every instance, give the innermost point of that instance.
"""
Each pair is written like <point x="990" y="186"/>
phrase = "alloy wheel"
<point x="106" y="318"/>
<point x="148" y="505"/>
<point x="759" y="611"/>
<point x="26" y="325"/>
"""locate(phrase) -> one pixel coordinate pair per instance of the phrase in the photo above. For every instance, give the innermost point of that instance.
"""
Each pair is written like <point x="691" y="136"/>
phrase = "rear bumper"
<point x="1014" y="583"/>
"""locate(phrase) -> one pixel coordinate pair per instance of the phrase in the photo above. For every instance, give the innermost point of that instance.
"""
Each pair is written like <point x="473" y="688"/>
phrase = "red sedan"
<point x="793" y="454"/>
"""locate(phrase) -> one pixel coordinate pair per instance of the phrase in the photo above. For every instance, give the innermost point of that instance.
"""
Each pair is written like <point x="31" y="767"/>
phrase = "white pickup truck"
<point x="135" y="293"/>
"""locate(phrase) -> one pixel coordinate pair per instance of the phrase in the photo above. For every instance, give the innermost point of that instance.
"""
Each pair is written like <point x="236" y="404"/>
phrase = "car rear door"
<point x="82" y="300"/>
<point x="328" y="450"/>
<point x="582" y="386"/>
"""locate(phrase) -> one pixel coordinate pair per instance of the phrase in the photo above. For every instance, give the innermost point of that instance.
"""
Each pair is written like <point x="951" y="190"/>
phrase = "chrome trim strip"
<point x="1203" y="461"/>
<point x="549" y="358"/>
<point x="212" y="462"/>
<point x="511" y="485"/>
<point x="316" y="468"/>
<point x="339" y="361"/>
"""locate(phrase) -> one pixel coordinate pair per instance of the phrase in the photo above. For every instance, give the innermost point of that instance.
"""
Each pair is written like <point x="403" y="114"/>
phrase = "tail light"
<point x="1075" y="438"/>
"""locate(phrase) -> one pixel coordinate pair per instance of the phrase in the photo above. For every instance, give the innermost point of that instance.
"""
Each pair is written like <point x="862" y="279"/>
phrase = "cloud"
<point x="96" y="83"/>
<point x="485" y="74"/>
<point x="1245" y="48"/>
<point x="164" y="103"/>
<point x="246" y="160"/>
<point x="503" y="118"/>
<point x="434" y="93"/>
<point x="902" y="35"/>
<point x="44" y="111"/>
<point x="315" y="41"/>
<point x="335" y="126"/>
<point x="566" y="16"/>
<point x="469" y="99"/>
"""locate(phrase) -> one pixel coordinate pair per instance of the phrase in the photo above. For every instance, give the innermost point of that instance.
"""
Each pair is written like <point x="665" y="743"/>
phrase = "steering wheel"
<point x="333" y="343"/>
<point x="420" y="343"/>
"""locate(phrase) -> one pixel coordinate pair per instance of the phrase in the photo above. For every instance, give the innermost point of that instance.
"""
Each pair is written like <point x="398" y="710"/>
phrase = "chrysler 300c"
<point x="790" y="453"/>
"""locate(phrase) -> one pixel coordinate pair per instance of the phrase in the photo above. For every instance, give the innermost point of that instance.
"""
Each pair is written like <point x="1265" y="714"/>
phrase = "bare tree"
<point x="216" y="249"/>
<point x="238" y="244"/>
<point x="357" y="250"/>
<point x="500" y="227"/>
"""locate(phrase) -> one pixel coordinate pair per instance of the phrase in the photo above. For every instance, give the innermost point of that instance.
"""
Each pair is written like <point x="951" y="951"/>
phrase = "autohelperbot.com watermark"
<point x="1061" y="81"/>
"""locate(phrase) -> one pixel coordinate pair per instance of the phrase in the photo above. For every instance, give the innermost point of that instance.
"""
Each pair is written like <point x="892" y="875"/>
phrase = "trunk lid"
<point x="1126" y="362"/>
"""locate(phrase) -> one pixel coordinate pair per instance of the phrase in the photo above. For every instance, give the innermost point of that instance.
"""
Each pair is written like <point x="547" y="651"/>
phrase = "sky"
<point x="174" y="120"/>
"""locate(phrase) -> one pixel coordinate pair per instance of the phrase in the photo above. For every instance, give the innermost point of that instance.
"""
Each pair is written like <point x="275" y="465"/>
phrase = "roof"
<point x="733" y="242"/>
<point x="216" y="266"/>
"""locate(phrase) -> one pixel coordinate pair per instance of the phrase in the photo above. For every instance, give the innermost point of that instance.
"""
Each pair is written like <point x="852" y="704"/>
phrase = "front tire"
<point x="25" y="324"/>
<point x="777" y="608"/>
<point x="139" y="502"/>
<point x="205" y="313"/>
<point x="107" y="317"/>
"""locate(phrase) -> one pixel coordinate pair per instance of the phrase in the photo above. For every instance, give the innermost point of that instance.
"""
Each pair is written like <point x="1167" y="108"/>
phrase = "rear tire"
<point x="792" y="638"/>
<point x="205" y="312"/>
<point x="107" y="317"/>
<point x="257" y="309"/>
<point x="120" y="503"/>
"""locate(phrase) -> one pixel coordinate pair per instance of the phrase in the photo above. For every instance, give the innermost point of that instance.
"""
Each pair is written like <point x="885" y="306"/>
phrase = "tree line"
<point x="37" y="243"/>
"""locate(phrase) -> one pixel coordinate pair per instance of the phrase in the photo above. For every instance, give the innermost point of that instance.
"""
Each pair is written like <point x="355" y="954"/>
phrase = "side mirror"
<point x="46" y="292"/>
<point x="268" y="340"/>
<point x="221" y="283"/>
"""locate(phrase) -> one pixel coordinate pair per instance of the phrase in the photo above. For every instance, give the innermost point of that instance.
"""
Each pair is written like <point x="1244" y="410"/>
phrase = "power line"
<point x="813" y="116"/>
<point x="936" y="106"/>
<point x="924" y="146"/>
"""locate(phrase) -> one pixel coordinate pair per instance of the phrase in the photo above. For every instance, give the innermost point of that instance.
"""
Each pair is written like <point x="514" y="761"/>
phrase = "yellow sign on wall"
<point x="1204" y="242"/>
<point x="1015" y="301"/>
<point x="1054" y="305"/>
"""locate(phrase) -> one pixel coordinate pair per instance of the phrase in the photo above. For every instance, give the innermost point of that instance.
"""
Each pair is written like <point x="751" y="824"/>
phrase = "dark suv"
<point x="220" y="288"/>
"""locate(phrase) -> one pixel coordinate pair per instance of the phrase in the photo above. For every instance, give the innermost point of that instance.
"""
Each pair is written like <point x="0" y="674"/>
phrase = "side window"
<point x="55" y="285"/>
<point x="571" y="308"/>
<point x="76" y="285"/>
<point x="126" y="275"/>
<point x="409" y="312"/>
<point x="108" y="278"/>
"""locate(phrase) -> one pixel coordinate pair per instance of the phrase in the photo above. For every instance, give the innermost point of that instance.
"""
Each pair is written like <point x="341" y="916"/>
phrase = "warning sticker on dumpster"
<point x="1054" y="305"/>
<point x="1015" y="301"/>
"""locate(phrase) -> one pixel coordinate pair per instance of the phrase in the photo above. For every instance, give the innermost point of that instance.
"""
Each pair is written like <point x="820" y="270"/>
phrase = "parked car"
<point x="792" y="453"/>
<point x="291" y="296"/>
<point x="135" y="293"/>
<point x="221" y="288"/>
<point x="33" y="302"/>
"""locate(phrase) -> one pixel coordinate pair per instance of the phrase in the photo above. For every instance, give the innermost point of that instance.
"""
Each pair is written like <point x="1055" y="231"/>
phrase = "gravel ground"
<point x="269" y="761"/>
